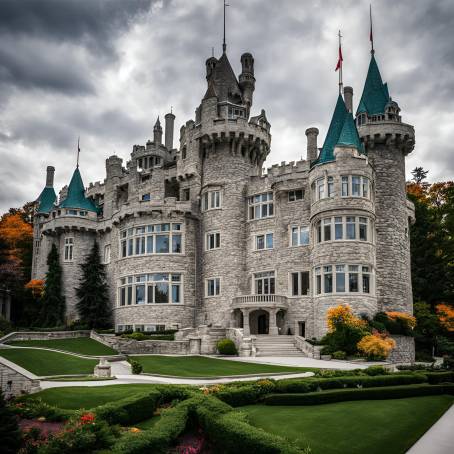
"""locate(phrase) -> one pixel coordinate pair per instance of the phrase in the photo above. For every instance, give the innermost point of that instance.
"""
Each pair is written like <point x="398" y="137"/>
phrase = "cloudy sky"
<point x="105" y="69"/>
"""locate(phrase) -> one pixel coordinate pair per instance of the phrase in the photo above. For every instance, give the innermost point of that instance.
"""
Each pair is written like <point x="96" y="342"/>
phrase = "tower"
<point x="387" y="142"/>
<point x="157" y="132"/>
<point x="247" y="79"/>
<point x="170" y="120"/>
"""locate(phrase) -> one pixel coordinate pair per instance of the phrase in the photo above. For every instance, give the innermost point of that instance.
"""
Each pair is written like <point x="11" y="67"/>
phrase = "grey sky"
<point x="104" y="70"/>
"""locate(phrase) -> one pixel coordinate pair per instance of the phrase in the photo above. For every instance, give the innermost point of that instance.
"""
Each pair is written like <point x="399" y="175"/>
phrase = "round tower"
<point x="247" y="79"/>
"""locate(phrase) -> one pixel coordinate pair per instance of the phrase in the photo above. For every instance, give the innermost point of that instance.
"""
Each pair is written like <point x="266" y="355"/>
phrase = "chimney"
<point x="170" y="119"/>
<point x="312" y="150"/>
<point x="348" y="98"/>
<point x="50" y="176"/>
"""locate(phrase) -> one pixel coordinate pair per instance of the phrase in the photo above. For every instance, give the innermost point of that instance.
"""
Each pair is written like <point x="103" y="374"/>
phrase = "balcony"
<point x="260" y="301"/>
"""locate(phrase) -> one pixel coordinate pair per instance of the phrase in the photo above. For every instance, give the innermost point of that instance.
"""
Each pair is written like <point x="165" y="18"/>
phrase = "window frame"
<point x="216" y="234"/>
<point x="294" y="192"/>
<point x="272" y="280"/>
<point x="299" y="229"/>
<point x="365" y="186"/>
<point x="265" y="241"/>
<point x="253" y="204"/>
<point x="299" y="293"/>
<point x="68" y="250"/>
<point x="209" y="200"/>
<point x="320" y="227"/>
<point x="216" y="287"/>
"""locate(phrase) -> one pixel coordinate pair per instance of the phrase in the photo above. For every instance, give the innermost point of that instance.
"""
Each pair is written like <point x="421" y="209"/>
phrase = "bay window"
<point x="342" y="279"/>
<point x="355" y="186"/>
<point x="340" y="228"/>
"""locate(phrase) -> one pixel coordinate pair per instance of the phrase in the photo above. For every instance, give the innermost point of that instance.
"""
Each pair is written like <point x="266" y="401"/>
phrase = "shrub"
<point x="376" y="370"/>
<point x="394" y="323"/>
<point x="136" y="367"/>
<point x="376" y="346"/>
<point x="226" y="347"/>
<point x="31" y="408"/>
<point x="237" y="397"/>
<point x="435" y="378"/>
<point x="339" y="355"/>
<point x="5" y="326"/>
<point x="448" y="363"/>
<point x="10" y="435"/>
<point x="341" y="395"/>
<point x="129" y="410"/>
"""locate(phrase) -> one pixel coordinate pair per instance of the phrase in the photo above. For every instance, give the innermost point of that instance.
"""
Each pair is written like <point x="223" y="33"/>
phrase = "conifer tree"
<point x="93" y="304"/>
<point x="53" y="301"/>
<point x="10" y="435"/>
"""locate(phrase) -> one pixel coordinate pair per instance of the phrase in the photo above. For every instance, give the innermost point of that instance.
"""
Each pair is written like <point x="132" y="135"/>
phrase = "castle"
<point x="201" y="235"/>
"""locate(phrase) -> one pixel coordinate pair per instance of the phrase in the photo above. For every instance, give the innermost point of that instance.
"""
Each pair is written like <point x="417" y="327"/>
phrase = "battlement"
<point x="285" y="168"/>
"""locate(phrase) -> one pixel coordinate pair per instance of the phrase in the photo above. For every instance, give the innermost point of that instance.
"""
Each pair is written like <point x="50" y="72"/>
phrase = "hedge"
<point x="341" y="395"/>
<point x="131" y="409"/>
<point x="230" y="431"/>
<point x="158" y="439"/>
<point x="439" y="377"/>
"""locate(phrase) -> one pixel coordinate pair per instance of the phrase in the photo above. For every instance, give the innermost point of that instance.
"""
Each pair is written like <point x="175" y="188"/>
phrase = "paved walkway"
<point x="439" y="439"/>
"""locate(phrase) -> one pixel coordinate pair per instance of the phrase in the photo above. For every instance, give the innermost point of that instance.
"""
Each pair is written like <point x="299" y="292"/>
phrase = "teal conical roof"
<point x="76" y="194"/>
<point x="46" y="200"/>
<point x="349" y="136"/>
<point x="375" y="93"/>
<point x="334" y="130"/>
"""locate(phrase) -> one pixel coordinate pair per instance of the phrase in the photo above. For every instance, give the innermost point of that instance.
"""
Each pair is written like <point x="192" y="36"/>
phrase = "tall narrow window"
<point x="300" y="283"/>
<point x="330" y="186"/>
<point x="328" y="279"/>
<point x="319" y="231"/>
<point x="318" y="280"/>
<point x="363" y="229"/>
<point x="320" y="183"/>
<point x="345" y="186"/>
<point x="356" y="186"/>
<point x="69" y="246"/>
<point x="340" y="278"/>
<point x="107" y="253"/>
<point x="353" y="278"/>
<point x="351" y="228"/>
<point x="366" y="279"/>
<point x="327" y="229"/>
<point x="338" y="228"/>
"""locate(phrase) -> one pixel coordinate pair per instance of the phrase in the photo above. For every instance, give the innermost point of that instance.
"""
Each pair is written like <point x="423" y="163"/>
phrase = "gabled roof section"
<point x="46" y="200"/>
<point x="225" y="82"/>
<point x="76" y="194"/>
<point x="334" y="131"/>
<point x="375" y="93"/>
<point x="349" y="136"/>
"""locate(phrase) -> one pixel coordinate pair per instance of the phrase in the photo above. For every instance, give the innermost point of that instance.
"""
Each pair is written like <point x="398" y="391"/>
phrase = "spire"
<point x="76" y="194"/>
<point x="78" y="152"/>
<point x="334" y="131"/>
<point x="349" y="136"/>
<point x="375" y="93"/>
<point x="371" y="34"/>
<point x="157" y="132"/>
<point x="157" y="125"/>
<point x="224" y="45"/>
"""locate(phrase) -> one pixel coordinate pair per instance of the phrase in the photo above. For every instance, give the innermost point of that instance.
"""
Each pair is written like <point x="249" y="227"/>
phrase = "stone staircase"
<point x="267" y="345"/>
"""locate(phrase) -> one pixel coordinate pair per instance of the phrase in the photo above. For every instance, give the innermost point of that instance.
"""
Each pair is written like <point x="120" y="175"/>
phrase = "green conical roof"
<point x="46" y="200"/>
<point x="334" y="130"/>
<point x="349" y="136"/>
<point x="375" y="93"/>
<point x="76" y="194"/>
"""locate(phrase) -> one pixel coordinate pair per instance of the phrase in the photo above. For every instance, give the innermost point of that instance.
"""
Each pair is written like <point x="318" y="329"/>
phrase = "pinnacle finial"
<point x="224" y="45"/>
<point x="371" y="34"/>
<point x="78" y="152"/>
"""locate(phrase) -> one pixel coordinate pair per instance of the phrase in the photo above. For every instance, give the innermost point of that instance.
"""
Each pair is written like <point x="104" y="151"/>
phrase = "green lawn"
<point x="369" y="426"/>
<point x="75" y="397"/>
<point x="44" y="362"/>
<point x="201" y="366"/>
<point x="81" y="345"/>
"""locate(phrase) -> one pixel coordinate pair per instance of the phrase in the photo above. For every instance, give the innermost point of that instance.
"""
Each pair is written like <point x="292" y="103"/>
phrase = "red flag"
<point x="339" y="62"/>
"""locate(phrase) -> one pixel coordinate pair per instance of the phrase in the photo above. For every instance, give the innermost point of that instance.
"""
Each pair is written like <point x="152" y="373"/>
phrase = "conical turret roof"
<point x="375" y="93"/>
<point x="46" y="200"/>
<point x="76" y="194"/>
<point x="349" y="136"/>
<point x="225" y="83"/>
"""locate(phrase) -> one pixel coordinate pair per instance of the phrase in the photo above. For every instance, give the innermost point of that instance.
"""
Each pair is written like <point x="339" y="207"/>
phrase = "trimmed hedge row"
<point x="341" y="395"/>
<point x="250" y="394"/>
<point x="231" y="433"/>
<point x="439" y="377"/>
<point x="158" y="439"/>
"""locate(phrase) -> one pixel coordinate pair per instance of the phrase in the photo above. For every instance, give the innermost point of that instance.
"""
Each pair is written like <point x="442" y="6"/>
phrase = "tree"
<point x="10" y="435"/>
<point x="53" y="301"/>
<point x="419" y="174"/>
<point x="93" y="304"/>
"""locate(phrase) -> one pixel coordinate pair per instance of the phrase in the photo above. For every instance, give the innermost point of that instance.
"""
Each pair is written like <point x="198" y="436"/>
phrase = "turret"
<point x="47" y="197"/>
<point x="247" y="79"/>
<point x="50" y="176"/>
<point x="312" y="150"/>
<point x="157" y="132"/>
<point x="170" y="120"/>
<point x="348" y="98"/>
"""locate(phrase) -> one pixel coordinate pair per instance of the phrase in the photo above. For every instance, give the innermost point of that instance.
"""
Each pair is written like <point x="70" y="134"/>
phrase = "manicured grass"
<point x="44" y="362"/>
<point x="75" y="397"/>
<point x="81" y="345"/>
<point x="201" y="366"/>
<point x="375" y="427"/>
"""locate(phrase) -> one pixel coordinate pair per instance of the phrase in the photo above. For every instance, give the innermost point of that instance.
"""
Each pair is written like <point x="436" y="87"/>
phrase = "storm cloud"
<point x="105" y="69"/>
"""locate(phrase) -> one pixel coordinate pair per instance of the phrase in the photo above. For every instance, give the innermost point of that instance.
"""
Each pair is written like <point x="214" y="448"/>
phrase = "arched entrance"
<point x="259" y="322"/>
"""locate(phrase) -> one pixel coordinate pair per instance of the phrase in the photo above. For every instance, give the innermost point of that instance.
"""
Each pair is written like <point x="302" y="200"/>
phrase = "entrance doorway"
<point x="259" y="322"/>
<point x="302" y="329"/>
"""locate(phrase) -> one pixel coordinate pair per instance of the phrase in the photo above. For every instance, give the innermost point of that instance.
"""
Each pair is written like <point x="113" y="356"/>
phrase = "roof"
<point x="334" y="131"/>
<point x="76" y="194"/>
<point x="375" y="93"/>
<point x="349" y="136"/>
<point x="46" y="200"/>
<point x="225" y="82"/>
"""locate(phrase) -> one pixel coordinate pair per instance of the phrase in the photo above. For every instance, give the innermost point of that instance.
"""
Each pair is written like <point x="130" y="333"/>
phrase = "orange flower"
<point x="36" y="286"/>
<point x="342" y="315"/>
<point x="408" y="319"/>
<point x="134" y="430"/>
<point x="376" y="346"/>
<point x="446" y="316"/>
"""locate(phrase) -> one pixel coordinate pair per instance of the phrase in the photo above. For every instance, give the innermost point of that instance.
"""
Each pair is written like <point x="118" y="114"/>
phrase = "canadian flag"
<point x="339" y="62"/>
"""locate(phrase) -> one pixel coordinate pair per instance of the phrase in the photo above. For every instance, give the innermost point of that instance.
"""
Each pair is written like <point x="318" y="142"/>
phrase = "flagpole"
<point x="371" y="36"/>
<point x="78" y="151"/>
<point x="224" y="45"/>
<point x="340" y="67"/>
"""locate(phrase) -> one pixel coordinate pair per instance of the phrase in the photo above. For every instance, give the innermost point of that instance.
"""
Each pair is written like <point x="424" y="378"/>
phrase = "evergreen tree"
<point x="93" y="304"/>
<point x="53" y="302"/>
<point x="10" y="435"/>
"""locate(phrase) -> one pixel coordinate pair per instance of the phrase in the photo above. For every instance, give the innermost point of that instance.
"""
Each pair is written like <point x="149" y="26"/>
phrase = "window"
<point x="264" y="241"/>
<point x="183" y="152"/>
<point x="356" y="185"/>
<point x="157" y="288"/>
<point x="330" y="186"/>
<point x="342" y="279"/>
<point x="264" y="283"/>
<point x="107" y="253"/>
<point x="300" y="283"/>
<point x="300" y="236"/>
<point x="345" y="228"/>
<point x="69" y="246"/>
<point x="213" y="287"/>
<point x="186" y="194"/>
<point x="146" y="197"/>
<point x="261" y="206"/>
<point x="320" y="185"/>
<point x="213" y="241"/>
<point x="297" y="194"/>
<point x="152" y="239"/>
<point x="211" y="200"/>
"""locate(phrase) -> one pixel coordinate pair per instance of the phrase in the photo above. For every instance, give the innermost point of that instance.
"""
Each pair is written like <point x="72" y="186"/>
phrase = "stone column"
<point x="246" y="329"/>
<point x="272" y="330"/>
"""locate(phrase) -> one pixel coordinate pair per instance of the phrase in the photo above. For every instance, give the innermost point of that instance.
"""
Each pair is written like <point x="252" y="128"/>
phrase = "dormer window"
<point x="361" y="120"/>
